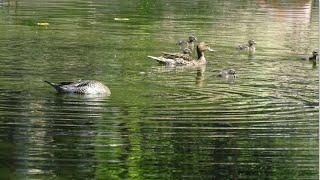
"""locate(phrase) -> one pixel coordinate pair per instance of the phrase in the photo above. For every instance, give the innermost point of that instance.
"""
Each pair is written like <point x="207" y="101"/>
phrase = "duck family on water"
<point x="169" y="59"/>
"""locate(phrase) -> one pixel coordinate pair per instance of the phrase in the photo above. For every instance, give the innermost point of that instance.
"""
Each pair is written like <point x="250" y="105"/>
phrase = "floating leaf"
<point x="121" y="19"/>
<point x="43" y="24"/>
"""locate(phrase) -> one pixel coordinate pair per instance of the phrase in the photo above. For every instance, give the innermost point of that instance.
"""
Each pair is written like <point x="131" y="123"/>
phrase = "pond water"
<point x="160" y="122"/>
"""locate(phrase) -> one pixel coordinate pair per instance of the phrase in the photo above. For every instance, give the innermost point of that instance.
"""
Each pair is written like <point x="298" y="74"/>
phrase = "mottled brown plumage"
<point x="183" y="59"/>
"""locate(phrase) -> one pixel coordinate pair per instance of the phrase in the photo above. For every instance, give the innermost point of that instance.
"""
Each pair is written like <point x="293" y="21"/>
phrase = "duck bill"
<point x="209" y="49"/>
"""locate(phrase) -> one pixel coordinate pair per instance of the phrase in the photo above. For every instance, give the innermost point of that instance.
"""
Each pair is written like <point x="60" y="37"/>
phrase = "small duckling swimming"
<point x="229" y="73"/>
<point x="313" y="57"/>
<point x="184" y="59"/>
<point x="187" y="51"/>
<point x="81" y="87"/>
<point x="248" y="47"/>
<point x="187" y="43"/>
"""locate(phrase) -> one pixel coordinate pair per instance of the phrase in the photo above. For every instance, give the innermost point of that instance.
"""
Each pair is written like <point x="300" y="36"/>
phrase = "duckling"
<point x="230" y="73"/>
<point x="248" y="47"/>
<point x="187" y="51"/>
<point x="81" y="87"/>
<point x="184" y="59"/>
<point x="187" y="43"/>
<point x="314" y="57"/>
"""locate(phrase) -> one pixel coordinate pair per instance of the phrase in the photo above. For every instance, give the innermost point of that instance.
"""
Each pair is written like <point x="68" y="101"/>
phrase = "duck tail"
<point x="160" y="60"/>
<point x="56" y="86"/>
<point x="49" y="83"/>
<point x="155" y="58"/>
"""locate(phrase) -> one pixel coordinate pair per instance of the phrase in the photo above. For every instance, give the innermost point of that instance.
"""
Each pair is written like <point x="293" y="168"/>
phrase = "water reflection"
<point x="200" y="77"/>
<point x="295" y="16"/>
<point x="197" y="71"/>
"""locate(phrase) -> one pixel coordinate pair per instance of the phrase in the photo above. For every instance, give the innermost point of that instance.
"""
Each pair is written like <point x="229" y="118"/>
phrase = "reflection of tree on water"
<point x="19" y="134"/>
<point x="296" y="13"/>
<point x="9" y="4"/>
<point x="225" y="156"/>
<point x="118" y="146"/>
<point x="295" y="16"/>
<point x="61" y="131"/>
<point x="185" y="149"/>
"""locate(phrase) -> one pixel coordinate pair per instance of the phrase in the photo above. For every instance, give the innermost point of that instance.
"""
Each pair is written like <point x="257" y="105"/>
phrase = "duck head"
<point x="192" y="38"/>
<point x="315" y="53"/>
<point x="231" y="72"/>
<point x="252" y="42"/>
<point x="202" y="46"/>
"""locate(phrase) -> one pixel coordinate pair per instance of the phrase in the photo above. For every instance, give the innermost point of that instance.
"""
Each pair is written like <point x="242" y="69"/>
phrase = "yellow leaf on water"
<point x="121" y="19"/>
<point x="43" y="24"/>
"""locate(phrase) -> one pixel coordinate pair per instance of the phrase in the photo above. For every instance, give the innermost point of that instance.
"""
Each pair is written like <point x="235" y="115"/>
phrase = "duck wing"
<point x="66" y="83"/>
<point x="243" y="47"/>
<point x="163" y="60"/>
<point x="173" y="59"/>
<point x="185" y="57"/>
<point x="81" y="83"/>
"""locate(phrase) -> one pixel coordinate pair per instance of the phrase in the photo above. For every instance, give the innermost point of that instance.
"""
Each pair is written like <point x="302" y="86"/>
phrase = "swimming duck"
<point x="187" y="51"/>
<point x="187" y="43"/>
<point x="315" y="56"/>
<point x="81" y="87"/>
<point x="230" y="73"/>
<point x="183" y="59"/>
<point x="248" y="47"/>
